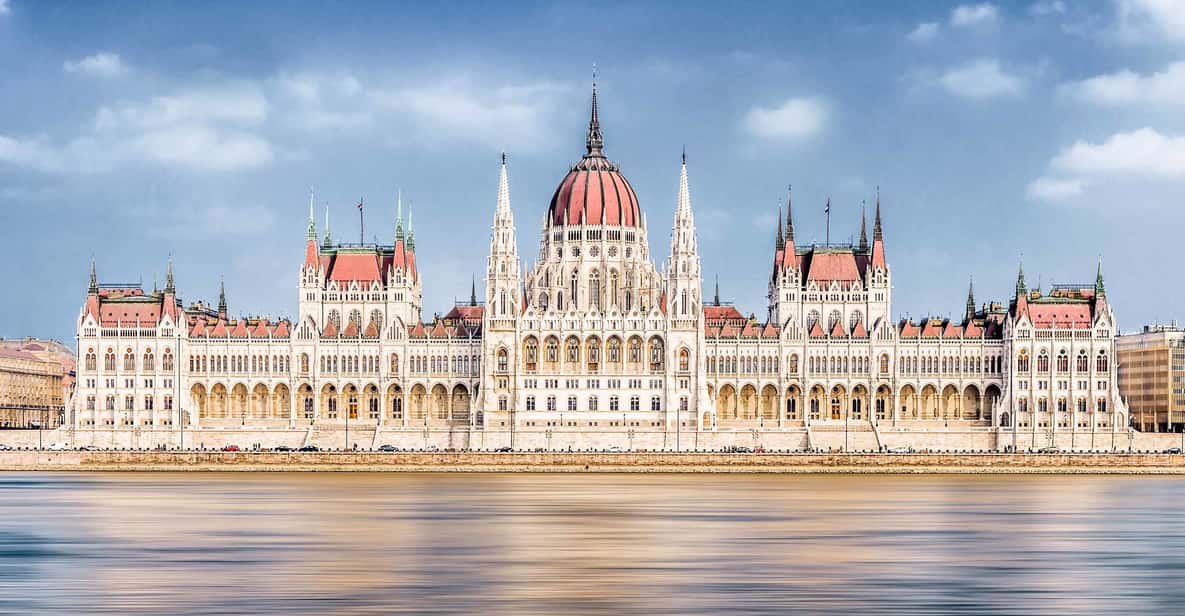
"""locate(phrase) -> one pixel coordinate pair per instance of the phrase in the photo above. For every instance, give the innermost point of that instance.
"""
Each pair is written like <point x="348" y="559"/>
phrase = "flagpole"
<point x="827" y="211"/>
<point x="361" y="224"/>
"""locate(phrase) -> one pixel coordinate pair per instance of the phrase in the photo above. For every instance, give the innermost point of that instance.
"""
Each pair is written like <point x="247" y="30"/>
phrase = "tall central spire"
<point x="594" y="143"/>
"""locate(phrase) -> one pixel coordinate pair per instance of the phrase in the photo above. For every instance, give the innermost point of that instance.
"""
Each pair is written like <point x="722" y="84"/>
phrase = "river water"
<point x="218" y="543"/>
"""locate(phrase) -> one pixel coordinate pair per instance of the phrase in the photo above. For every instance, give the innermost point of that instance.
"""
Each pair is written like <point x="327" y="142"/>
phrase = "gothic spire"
<point x="780" y="241"/>
<point x="1020" y="281"/>
<point x="221" y="297"/>
<point x="876" y="225"/>
<point x="411" y="235"/>
<point x="717" y="295"/>
<point x="312" y="221"/>
<point x="1099" y="289"/>
<point x="473" y="291"/>
<point x="684" y="207"/>
<point x="789" y="215"/>
<point x="94" y="286"/>
<point x="503" y="190"/>
<point x="169" y="286"/>
<point x="399" y="215"/>
<point x="327" y="239"/>
<point x="863" y="230"/>
<point x="594" y="143"/>
<point x="971" y="300"/>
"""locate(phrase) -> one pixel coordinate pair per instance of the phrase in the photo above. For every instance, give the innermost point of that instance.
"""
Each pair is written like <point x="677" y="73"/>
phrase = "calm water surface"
<point x="212" y="543"/>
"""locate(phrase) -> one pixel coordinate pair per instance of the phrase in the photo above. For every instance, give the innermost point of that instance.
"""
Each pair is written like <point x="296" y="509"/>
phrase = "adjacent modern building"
<point x="1152" y="377"/>
<point x="597" y="341"/>
<point x="36" y="378"/>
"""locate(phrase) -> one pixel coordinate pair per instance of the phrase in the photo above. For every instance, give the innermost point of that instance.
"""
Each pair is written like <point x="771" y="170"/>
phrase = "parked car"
<point x="503" y="450"/>
<point x="309" y="448"/>
<point x="4" y="447"/>
<point x="901" y="449"/>
<point x="614" y="449"/>
<point x="388" y="448"/>
<point x="431" y="448"/>
<point x="59" y="446"/>
<point x="743" y="449"/>
<point x="1173" y="450"/>
<point x="88" y="448"/>
<point x="1050" y="449"/>
<point x="282" y="448"/>
<point x="231" y="448"/>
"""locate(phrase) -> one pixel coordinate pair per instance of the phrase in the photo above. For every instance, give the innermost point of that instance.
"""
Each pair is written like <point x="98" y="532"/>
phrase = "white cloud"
<point x="105" y="64"/>
<point x="4" y="8"/>
<point x="981" y="79"/>
<point x="204" y="130"/>
<point x="797" y="118"/>
<point x="1140" y="19"/>
<point x="1044" y="8"/>
<point x="1142" y="153"/>
<point x="923" y="33"/>
<point x="1055" y="189"/>
<point x="1126" y="87"/>
<point x="974" y="15"/>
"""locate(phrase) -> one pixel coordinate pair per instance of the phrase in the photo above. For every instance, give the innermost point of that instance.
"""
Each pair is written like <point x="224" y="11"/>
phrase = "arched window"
<point x="884" y="364"/>
<point x="614" y="350"/>
<point x="573" y="289"/>
<point x="1022" y="361"/>
<point x="635" y="350"/>
<point x="1100" y="363"/>
<point x="684" y="360"/>
<point x="503" y="360"/>
<point x="553" y="350"/>
<point x="1083" y="362"/>
<point x="149" y="361"/>
<point x="594" y="290"/>
<point x="532" y="354"/>
<point x="812" y="318"/>
<point x="793" y="364"/>
<point x="656" y="354"/>
<point x="559" y="300"/>
<point x="572" y="351"/>
<point x="129" y="361"/>
<point x="502" y="303"/>
<point x="335" y="317"/>
<point x="543" y="301"/>
<point x="1063" y="362"/>
<point x="1043" y="362"/>
<point x="832" y="319"/>
<point x="613" y="288"/>
<point x="92" y="360"/>
<point x="857" y="317"/>
<point x="167" y="361"/>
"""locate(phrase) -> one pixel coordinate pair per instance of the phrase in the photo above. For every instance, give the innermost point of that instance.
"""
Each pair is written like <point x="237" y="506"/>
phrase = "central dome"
<point x="595" y="192"/>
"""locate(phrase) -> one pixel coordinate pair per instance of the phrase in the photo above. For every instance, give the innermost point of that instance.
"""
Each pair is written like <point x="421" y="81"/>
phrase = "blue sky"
<point x="132" y="131"/>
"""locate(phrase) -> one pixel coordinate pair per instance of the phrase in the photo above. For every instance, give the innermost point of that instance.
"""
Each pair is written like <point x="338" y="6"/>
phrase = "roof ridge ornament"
<point x="595" y="143"/>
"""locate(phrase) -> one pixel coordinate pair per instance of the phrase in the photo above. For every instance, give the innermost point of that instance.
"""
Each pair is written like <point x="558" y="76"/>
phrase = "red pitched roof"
<point x="372" y="330"/>
<point x="829" y="266"/>
<point x="281" y="330"/>
<point x="330" y="330"/>
<point x="750" y="330"/>
<point x="817" y="330"/>
<point x="240" y="329"/>
<point x="909" y="330"/>
<point x="219" y="330"/>
<point x="360" y="267"/>
<point x="932" y="328"/>
<point x="261" y="330"/>
<point x="837" y="330"/>
<point x="418" y="331"/>
<point x="859" y="331"/>
<point x="128" y="313"/>
<point x="1074" y="316"/>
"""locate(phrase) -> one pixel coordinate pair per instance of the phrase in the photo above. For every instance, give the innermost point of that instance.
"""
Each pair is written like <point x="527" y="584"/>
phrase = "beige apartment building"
<point x="1152" y="377"/>
<point x="36" y="377"/>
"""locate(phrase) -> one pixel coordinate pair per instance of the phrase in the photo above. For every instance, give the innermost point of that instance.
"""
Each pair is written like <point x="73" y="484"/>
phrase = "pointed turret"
<point x="411" y="234"/>
<point x="970" y="314"/>
<point x="716" y="295"/>
<point x="93" y="289"/>
<point x="878" y="238"/>
<point x="1099" y="289"/>
<point x="473" y="291"/>
<point x="503" y="208"/>
<point x="222" y="299"/>
<point x="780" y="239"/>
<point x="170" y="288"/>
<point x="1021" y="289"/>
<point x="594" y="144"/>
<point x="863" y="228"/>
<point x="327" y="240"/>
<point x="683" y="282"/>
<point x="312" y="221"/>
<point x="504" y="289"/>
<point x="399" y="215"/>
<point x="789" y="217"/>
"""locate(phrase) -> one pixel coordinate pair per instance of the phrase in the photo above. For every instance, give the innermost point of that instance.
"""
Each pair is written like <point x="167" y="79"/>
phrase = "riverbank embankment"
<point x="579" y="462"/>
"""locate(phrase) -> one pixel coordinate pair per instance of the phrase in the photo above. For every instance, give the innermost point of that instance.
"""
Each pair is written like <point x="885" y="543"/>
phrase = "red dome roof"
<point x="595" y="192"/>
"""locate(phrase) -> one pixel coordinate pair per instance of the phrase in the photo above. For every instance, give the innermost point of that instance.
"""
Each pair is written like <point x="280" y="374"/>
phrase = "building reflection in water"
<point x="548" y="544"/>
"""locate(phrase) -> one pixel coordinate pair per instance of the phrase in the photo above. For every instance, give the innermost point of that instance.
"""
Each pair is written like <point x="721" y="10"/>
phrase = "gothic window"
<point x="683" y="303"/>
<point x="1101" y="405"/>
<point x="149" y="361"/>
<point x="593" y="353"/>
<point x="613" y="284"/>
<point x="91" y="360"/>
<point x="614" y="403"/>
<point x="635" y="403"/>
<point x="812" y="318"/>
<point x="553" y="350"/>
<point x="629" y="300"/>
<point x="684" y="360"/>
<point x="532" y="353"/>
<point x="377" y="317"/>
<point x="1083" y="363"/>
<point x="1061" y="405"/>
<point x="793" y="363"/>
<point x="1022" y="361"/>
<point x="502" y="303"/>
<point x="559" y="300"/>
<point x="1043" y="362"/>
<point x="543" y="301"/>
<point x="655" y="403"/>
<point x="530" y="403"/>
<point x="857" y="317"/>
<point x="594" y="290"/>
<point x="656" y="354"/>
<point x="884" y="364"/>
<point x="635" y="350"/>
<point x="572" y="290"/>
<point x="1063" y="362"/>
<point x="335" y="317"/>
<point x="1100" y="364"/>
<point x="356" y="318"/>
<point x="572" y="352"/>
<point x="832" y="319"/>
<point x="503" y="360"/>
<point x="614" y="350"/>
<point x="129" y="361"/>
